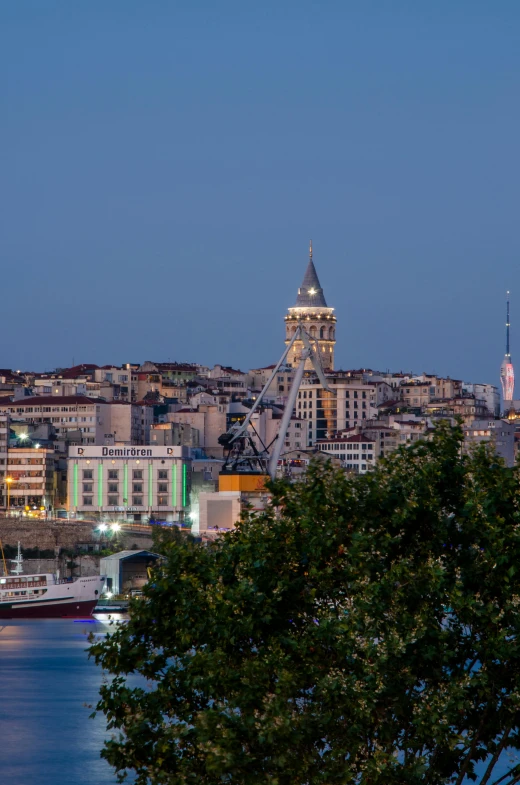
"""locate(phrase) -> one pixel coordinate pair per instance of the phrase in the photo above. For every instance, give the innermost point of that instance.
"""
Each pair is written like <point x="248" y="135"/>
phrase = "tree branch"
<point x="496" y="756"/>
<point x="507" y="774"/>
<point x="472" y="748"/>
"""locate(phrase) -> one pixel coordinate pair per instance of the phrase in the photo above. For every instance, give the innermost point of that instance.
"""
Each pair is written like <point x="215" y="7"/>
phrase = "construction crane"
<point x="243" y="455"/>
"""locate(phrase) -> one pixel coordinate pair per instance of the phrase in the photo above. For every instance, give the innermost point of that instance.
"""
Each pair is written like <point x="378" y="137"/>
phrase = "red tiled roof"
<point x="352" y="439"/>
<point x="76" y="370"/>
<point x="231" y="370"/>
<point x="45" y="400"/>
<point x="176" y="367"/>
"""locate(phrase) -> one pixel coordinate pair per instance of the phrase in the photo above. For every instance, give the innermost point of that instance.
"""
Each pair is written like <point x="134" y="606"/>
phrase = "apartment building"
<point x="76" y="418"/>
<point x="350" y="402"/>
<point x="386" y="438"/>
<point x="466" y="406"/>
<point x="171" y="434"/>
<point x="4" y="444"/>
<point x="356" y="453"/>
<point x="208" y="419"/>
<point x="279" y="388"/>
<point x="484" y="392"/>
<point x="115" y="382"/>
<point x="499" y="433"/>
<point x="33" y="480"/>
<point x="417" y="394"/>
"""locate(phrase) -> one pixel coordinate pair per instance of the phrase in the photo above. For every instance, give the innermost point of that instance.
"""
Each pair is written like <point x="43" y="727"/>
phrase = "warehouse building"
<point x="127" y="571"/>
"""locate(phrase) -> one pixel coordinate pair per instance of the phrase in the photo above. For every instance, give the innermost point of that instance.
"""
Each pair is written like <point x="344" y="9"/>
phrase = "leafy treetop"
<point x="361" y="631"/>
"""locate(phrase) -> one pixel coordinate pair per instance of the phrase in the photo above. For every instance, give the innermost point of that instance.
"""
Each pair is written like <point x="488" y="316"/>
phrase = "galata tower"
<point x="315" y="316"/>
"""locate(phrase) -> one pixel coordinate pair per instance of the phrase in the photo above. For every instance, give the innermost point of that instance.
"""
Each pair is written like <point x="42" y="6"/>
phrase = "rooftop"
<point x="56" y="400"/>
<point x="344" y="439"/>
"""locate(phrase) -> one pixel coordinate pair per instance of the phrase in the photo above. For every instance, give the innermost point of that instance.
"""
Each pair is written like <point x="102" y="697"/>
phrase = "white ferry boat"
<point x="47" y="596"/>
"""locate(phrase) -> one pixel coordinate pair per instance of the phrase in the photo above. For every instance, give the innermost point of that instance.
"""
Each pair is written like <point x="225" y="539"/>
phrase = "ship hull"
<point x="53" y="609"/>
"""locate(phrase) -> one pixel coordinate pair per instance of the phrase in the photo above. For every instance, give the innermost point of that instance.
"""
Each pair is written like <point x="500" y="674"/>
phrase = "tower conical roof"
<point x="310" y="293"/>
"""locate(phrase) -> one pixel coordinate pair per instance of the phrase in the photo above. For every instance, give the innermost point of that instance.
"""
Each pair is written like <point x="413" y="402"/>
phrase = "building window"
<point x="138" y="474"/>
<point x="113" y="487"/>
<point x="113" y="501"/>
<point x="138" y="487"/>
<point x="162" y="500"/>
<point x="87" y="487"/>
<point x="137" y="501"/>
<point x="113" y="474"/>
<point x="87" y="474"/>
<point x="163" y="474"/>
<point x="162" y="487"/>
<point x="87" y="501"/>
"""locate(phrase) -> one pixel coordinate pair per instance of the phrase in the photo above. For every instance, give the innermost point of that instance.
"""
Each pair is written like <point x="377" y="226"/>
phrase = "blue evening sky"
<point x="164" y="165"/>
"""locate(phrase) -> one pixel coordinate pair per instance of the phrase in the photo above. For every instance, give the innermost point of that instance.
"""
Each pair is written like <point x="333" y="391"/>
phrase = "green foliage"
<point x="363" y="631"/>
<point x="11" y="552"/>
<point x="163" y="537"/>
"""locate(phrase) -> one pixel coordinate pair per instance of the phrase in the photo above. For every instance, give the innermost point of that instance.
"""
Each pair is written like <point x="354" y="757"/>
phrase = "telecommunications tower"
<point x="507" y="374"/>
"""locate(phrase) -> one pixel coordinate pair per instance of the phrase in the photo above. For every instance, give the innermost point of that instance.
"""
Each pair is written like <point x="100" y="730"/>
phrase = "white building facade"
<point x="132" y="483"/>
<point x="356" y="453"/>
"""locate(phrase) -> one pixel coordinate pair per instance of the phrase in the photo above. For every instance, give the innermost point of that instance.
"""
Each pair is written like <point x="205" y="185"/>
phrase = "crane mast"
<point x="243" y="456"/>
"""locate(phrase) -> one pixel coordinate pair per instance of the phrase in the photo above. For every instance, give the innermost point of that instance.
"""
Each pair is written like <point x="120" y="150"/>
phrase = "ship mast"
<point x="18" y="568"/>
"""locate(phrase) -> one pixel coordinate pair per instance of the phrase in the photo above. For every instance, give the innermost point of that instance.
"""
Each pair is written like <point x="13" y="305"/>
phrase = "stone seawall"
<point x="87" y="565"/>
<point x="57" y="535"/>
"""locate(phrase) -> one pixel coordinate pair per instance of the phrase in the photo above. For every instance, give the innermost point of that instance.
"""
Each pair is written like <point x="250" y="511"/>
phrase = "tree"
<point x="361" y="631"/>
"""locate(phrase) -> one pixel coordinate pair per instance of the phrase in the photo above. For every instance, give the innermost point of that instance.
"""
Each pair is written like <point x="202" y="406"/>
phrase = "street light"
<point x="8" y="481"/>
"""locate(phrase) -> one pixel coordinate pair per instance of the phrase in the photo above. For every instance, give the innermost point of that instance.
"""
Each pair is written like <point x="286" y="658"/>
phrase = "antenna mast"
<point x="508" y="353"/>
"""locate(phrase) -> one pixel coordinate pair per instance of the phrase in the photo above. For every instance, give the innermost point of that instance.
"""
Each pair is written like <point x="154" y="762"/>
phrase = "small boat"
<point x="47" y="596"/>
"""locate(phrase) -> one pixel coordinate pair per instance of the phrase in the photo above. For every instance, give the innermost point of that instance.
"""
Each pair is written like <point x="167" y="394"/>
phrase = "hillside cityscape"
<point x="141" y="442"/>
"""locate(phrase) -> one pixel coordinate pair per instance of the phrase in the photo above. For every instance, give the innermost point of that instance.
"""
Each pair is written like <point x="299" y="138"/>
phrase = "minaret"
<point x="507" y="374"/>
<point x="318" y="319"/>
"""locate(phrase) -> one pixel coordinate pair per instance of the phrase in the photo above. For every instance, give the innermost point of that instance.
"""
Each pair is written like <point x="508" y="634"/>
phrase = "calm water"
<point x="46" y="678"/>
<point x="46" y="736"/>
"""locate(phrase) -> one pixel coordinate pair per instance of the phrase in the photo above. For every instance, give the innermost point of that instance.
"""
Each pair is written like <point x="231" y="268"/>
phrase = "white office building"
<point x="129" y="483"/>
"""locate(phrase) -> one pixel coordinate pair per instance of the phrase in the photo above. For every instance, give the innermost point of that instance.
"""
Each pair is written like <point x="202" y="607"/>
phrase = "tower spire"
<point x="507" y="373"/>
<point x="310" y="250"/>
<point x="508" y="354"/>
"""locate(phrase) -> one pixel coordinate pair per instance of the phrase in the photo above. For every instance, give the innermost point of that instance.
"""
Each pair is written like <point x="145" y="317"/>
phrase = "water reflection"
<point x="47" y="683"/>
<point x="46" y="736"/>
